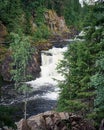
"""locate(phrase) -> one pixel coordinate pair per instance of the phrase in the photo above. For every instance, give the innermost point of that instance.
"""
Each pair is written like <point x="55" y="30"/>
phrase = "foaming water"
<point x="45" y="89"/>
<point x="49" y="74"/>
<point x="52" y="95"/>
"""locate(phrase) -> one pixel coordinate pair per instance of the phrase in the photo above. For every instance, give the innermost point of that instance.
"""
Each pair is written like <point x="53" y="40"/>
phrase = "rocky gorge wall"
<point x="59" y="31"/>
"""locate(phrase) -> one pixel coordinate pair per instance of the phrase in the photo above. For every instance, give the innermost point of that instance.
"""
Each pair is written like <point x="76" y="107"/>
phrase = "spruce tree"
<point x="77" y="93"/>
<point x="97" y="80"/>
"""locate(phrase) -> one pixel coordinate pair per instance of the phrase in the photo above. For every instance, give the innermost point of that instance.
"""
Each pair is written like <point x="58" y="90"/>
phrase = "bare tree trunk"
<point x="25" y="109"/>
<point x="102" y="125"/>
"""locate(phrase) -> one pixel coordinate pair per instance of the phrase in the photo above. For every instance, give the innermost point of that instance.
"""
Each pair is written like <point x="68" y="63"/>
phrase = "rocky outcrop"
<point x="43" y="46"/>
<point x="58" y="27"/>
<point x="33" y="67"/>
<point x="3" y="32"/>
<point x="55" y="23"/>
<point x="55" y="121"/>
<point x="5" y="68"/>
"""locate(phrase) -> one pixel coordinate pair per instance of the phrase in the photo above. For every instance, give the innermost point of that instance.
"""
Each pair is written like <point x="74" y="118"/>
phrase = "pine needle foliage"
<point x="21" y="54"/>
<point x="83" y="66"/>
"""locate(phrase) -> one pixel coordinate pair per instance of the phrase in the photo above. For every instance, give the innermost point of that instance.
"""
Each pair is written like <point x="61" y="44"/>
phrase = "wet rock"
<point x="43" y="46"/>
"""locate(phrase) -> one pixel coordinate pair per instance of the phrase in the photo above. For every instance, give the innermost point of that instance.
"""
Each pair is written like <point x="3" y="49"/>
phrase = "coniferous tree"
<point x="77" y="93"/>
<point x="71" y="11"/>
<point x="21" y="54"/>
<point x="97" y="80"/>
<point x="11" y="12"/>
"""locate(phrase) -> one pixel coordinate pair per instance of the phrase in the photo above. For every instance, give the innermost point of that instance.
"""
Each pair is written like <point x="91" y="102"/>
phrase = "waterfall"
<point x="45" y="88"/>
<point x="49" y="74"/>
<point x="50" y="60"/>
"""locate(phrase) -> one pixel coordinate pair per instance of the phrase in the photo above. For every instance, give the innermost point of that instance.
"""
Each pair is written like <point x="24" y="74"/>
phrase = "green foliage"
<point x="5" y="117"/>
<point x="71" y="12"/>
<point x="83" y="69"/>
<point x="21" y="54"/>
<point x="42" y="33"/>
<point x="97" y="81"/>
<point x="40" y="19"/>
<point x="75" y="90"/>
<point x="11" y="14"/>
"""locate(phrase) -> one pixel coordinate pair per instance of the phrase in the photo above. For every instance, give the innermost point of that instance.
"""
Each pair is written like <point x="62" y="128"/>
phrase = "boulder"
<point x="52" y="120"/>
<point x="22" y="125"/>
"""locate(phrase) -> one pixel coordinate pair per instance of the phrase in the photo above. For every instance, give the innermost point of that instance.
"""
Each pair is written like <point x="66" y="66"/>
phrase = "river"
<point x="45" y="90"/>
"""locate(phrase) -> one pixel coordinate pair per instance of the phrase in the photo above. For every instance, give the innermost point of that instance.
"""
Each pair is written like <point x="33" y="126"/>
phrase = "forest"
<point x="82" y="91"/>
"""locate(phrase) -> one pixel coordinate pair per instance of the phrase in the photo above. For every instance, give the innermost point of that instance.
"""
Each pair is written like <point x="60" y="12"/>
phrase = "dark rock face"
<point x="55" y="121"/>
<point x="33" y="67"/>
<point x="3" y="32"/>
<point x="5" y="68"/>
<point x="5" y="59"/>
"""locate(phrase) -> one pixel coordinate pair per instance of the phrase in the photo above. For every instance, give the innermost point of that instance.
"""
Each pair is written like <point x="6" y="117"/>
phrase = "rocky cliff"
<point x="58" y="26"/>
<point x="6" y="60"/>
<point x="55" y="23"/>
<point x="33" y="66"/>
<point x="59" y="31"/>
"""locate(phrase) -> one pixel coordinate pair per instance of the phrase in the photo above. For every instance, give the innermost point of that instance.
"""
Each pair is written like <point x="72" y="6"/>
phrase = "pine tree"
<point x="11" y="13"/>
<point x="77" y="93"/>
<point x="21" y="54"/>
<point x="97" y="79"/>
<point x="71" y="11"/>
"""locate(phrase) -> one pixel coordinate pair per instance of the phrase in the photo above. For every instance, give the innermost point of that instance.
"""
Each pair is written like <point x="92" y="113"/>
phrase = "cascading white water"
<point x="45" y="91"/>
<point x="50" y="59"/>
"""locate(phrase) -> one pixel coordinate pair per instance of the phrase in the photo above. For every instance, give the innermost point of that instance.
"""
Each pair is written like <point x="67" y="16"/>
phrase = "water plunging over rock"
<point x="50" y="60"/>
<point x="45" y="91"/>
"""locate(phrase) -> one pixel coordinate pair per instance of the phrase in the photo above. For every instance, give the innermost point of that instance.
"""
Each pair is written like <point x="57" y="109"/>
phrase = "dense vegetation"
<point x="82" y="91"/>
<point x="14" y="12"/>
<point x="19" y="16"/>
